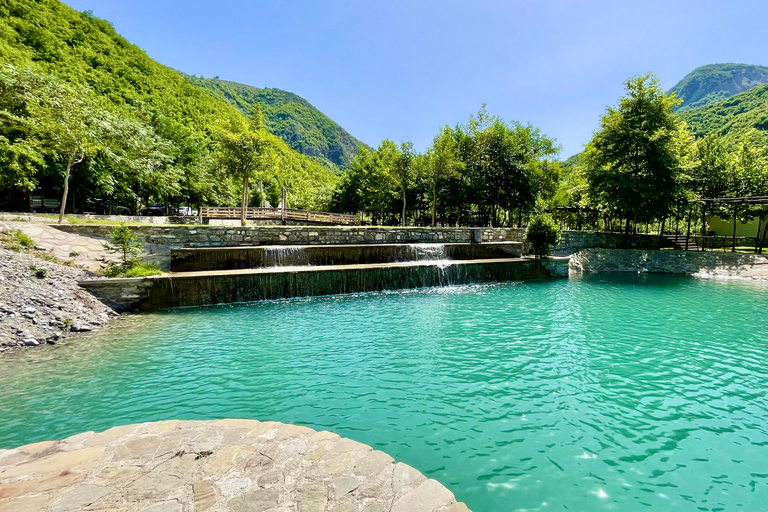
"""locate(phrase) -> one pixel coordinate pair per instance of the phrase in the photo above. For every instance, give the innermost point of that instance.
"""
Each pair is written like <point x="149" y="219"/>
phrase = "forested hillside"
<point x="732" y="118"/>
<point x="47" y="38"/>
<point x="290" y="117"/>
<point x="715" y="82"/>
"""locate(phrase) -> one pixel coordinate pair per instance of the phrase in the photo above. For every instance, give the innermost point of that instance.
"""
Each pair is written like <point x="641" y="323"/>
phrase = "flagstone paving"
<point x="220" y="465"/>
<point x="86" y="251"/>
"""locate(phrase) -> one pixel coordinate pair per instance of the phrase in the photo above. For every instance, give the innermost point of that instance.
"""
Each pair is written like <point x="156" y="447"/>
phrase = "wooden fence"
<point x="287" y="214"/>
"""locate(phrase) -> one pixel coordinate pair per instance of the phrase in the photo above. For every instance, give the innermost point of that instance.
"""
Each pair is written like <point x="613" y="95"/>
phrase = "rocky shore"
<point x="41" y="302"/>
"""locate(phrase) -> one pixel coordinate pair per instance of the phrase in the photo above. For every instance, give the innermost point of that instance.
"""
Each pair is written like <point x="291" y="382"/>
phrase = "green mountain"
<point x="732" y="117"/>
<point x="716" y="82"/>
<point x="81" y="48"/>
<point x="50" y="37"/>
<point x="290" y="117"/>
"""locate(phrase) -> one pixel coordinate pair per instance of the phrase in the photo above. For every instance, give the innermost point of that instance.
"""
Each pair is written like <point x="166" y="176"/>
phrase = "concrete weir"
<point x="232" y="258"/>
<point x="247" y="285"/>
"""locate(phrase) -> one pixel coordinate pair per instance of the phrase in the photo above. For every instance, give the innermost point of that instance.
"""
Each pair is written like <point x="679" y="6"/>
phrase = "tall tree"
<point x="403" y="172"/>
<point x="442" y="162"/>
<point x="70" y="124"/>
<point x="20" y="154"/>
<point x="709" y="175"/>
<point x="245" y="150"/>
<point x="636" y="158"/>
<point x="749" y="177"/>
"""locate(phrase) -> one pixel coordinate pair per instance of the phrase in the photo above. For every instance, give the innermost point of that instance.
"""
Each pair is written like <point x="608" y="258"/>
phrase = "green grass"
<point x="16" y="241"/>
<point x="137" y="269"/>
<point x="39" y="272"/>
<point x="142" y="270"/>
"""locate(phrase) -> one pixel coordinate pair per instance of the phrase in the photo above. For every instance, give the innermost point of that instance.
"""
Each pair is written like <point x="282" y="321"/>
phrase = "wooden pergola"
<point x="742" y="201"/>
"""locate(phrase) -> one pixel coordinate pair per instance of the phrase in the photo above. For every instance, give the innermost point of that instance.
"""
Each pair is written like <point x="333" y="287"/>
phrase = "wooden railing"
<point x="223" y="212"/>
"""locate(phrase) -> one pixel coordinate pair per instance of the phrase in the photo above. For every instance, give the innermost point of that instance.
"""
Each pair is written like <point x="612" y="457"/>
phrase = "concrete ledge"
<point x="221" y="465"/>
<point x="231" y="258"/>
<point x="229" y="286"/>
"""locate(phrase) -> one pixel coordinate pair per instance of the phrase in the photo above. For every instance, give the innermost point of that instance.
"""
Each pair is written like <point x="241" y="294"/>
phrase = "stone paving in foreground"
<point x="220" y="465"/>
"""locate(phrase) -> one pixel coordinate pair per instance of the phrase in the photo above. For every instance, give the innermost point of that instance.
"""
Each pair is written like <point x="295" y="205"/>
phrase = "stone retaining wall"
<point x="704" y="264"/>
<point x="218" y="236"/>
<point x="574" y="241"/>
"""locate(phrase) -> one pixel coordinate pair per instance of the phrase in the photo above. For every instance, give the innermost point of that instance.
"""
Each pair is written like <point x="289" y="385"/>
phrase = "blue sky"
<point x="402" y="69"/>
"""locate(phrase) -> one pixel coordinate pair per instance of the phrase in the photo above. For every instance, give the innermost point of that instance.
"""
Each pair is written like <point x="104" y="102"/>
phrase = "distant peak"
<point x="715" y="82"/>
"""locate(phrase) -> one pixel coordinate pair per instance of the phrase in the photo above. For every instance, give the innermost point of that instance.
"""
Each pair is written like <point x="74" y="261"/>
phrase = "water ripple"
<point x="601" y="393"/>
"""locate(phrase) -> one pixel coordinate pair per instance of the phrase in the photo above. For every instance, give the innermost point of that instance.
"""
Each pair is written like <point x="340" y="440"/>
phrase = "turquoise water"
<point x="610" y="392"/>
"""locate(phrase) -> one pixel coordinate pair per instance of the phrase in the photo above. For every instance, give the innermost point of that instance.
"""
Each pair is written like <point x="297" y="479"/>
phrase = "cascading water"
<point x="285" y="256"/>
<point x="429" y="252"/>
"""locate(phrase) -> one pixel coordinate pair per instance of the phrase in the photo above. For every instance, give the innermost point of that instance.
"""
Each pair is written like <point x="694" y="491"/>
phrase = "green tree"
<point x="20" y="154"/>
<point x="542" y="234"/>
<point x="123" y="242"/>
<point x="70" y="125"/>
<point x="749" y="177"/>
<point x="442" y="163"/>
<point x="635" y="160"/>
<point x="245" y="151"/>
<point x="709" y="176"/>
<point x="403" y="172"/>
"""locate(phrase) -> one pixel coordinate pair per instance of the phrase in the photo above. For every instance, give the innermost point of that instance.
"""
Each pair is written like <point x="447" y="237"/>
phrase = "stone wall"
<point x="220" y="236"/>
<point x="705" y="264"/>
<point x="119" y="294"/>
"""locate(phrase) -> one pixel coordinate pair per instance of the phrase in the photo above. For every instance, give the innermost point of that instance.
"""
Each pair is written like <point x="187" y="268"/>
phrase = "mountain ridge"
<point x="289" y="116"/>
<point x="82" y="48"/>
<point x="713" y="83"/>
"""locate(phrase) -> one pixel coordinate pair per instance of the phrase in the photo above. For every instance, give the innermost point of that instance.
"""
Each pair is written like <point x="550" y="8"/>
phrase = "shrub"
<point x="125" y="243"/>
<point x="542" y="234"/>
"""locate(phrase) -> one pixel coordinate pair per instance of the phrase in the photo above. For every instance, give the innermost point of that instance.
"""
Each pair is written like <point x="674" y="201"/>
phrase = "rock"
<point x="80" y="327"/>
<point x="35" y="311"/>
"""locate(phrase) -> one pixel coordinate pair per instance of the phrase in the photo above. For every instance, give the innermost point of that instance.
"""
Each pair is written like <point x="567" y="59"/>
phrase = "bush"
<point x="542" y="234"/>
<point x="125" y="243"/>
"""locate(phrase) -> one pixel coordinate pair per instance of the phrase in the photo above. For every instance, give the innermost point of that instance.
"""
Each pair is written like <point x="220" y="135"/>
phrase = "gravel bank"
<point x="41" y="302"/>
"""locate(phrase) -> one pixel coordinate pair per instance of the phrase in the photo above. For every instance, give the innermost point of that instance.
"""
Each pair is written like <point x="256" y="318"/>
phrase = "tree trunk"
<point x="403" y="218"/>
<point x="434" y="203"/>
<point x="762" y="238"/>
<point x="244" y="208"/>
<point x="733" y="245"/>
<point x="625" y="238"/>
<point x="70" y="162"/>
<point x="661" y="231"/>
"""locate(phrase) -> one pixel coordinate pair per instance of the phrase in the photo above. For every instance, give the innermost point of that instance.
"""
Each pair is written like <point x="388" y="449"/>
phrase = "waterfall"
<point x="429" y="252"/>
<point x="284" y="256"/>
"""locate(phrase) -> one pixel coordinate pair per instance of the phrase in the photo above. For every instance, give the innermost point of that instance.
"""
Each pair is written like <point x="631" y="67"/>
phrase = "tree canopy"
<point x="46" y="42"/>
<point x="636" y="160"/>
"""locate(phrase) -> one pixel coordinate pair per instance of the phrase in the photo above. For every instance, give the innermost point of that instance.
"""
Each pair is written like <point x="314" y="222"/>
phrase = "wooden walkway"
<point x="282" y="214"/>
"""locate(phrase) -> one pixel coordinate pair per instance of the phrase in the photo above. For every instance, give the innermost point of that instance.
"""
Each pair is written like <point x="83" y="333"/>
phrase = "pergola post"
<point x="735" y="209"/>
